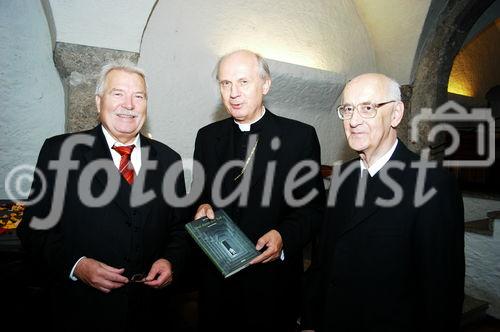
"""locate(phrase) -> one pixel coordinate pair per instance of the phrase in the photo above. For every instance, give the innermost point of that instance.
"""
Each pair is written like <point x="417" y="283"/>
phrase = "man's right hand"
<point x="204" y="210"/>
<point x="99" y="275"/>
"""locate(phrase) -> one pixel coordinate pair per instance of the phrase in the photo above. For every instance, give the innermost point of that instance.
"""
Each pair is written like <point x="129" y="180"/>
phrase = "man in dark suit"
<point x="391" y="254"/>
<point x="277" y="214"/>
<point x="110" y="242"/>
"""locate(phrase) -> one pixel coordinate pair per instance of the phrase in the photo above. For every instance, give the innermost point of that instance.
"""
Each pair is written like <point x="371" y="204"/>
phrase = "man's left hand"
<point x="273" y="243"/>
<point x="160" y="274"/>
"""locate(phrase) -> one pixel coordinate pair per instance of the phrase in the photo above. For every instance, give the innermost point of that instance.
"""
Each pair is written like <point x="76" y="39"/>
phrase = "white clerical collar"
<point x="377" y="165"/>
<point x="110" y="140"/>
<point x="246" y="126"/>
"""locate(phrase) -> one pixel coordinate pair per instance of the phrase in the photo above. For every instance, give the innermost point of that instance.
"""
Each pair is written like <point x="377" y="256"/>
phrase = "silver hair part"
<point x="393" y="89"/>
<point x="264" y="71"/>
<point x="121" y="64"/>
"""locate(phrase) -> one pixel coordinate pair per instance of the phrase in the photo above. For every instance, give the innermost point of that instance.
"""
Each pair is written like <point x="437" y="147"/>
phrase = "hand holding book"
<point x="223" y="242"/>
<point x="273" y="243"/>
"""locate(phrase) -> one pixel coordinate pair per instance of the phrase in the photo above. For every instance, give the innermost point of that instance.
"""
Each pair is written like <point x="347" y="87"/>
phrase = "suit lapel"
<point x="375" y="189"/>
<point x="344" y="209"/>
<point x="98" y="151"/>
<point x="264" y="152"/>
<point x="368" y="207"/>
<point x="151" y="177"/>
<point x="149" y="154"/>
<point x="224" y="150"/>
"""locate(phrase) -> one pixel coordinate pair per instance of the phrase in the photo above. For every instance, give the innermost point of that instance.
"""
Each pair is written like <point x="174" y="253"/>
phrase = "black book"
<point x="223" y="242"/>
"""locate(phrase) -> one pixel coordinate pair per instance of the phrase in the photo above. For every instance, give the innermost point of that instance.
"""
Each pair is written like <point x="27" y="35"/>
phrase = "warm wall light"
<point x="475" y="68"/>
<point x="306" y="58"/>
<point x="459" y="81"/>
<point x="301" y="59"/>
<point x="460" y="86"/>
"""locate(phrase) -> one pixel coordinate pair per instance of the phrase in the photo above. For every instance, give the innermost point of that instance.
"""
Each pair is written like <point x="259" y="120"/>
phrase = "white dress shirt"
<point x="379" y="163"/>
<point x="135" y="159"/>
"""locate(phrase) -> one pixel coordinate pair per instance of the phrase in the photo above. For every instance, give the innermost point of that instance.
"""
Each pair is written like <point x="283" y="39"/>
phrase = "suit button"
<point x="134" y="213"/>
<point x="128" y="223"/>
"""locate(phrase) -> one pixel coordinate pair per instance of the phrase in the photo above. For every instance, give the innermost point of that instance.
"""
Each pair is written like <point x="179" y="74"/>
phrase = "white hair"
<point x="393" y="89"/>
<point x="121" y="64"/>
<point x="264" y="71"/>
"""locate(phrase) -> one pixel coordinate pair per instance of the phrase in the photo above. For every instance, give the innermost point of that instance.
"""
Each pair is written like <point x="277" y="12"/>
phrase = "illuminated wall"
<point x="184" y="39"/>
<point x="32" y="100"/>
<point x="394" y="27"/>
<point x="476" y="67"/>
<point x="114" y="24"/>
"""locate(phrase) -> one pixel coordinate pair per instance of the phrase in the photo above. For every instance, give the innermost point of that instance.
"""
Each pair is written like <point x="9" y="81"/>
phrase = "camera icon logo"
<point x="447" y="118"/>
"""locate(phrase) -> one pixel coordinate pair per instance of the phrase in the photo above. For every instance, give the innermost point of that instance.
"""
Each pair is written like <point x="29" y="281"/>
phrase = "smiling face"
<point x="373" y="137"/>
<point x="241" y="86"/>
<point x="123" y="104"/>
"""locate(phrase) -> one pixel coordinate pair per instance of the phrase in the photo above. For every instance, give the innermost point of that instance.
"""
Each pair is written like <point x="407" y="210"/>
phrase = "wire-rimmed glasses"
<point x="365" y="110"/>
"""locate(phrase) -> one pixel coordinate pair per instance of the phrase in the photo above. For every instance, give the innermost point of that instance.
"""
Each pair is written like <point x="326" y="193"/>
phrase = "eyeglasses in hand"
<point x="138" y="277"/>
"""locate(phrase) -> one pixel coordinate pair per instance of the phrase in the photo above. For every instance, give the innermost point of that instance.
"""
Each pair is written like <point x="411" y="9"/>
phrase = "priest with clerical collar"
<point x="266" y="295"/>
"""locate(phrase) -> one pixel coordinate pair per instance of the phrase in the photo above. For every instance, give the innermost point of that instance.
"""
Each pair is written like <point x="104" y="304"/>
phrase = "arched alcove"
<point x="475" y="68"/>
<point x="474" y="75"/>
<point x="445" y="29"/>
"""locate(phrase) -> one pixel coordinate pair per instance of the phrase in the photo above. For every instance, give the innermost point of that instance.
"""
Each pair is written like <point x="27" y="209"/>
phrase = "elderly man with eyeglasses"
<point x="391" y="253"/>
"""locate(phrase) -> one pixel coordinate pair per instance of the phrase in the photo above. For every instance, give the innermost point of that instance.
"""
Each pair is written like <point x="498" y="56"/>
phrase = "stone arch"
<point x="147" y="22"/>
<point x="78" y="66"/>
<point x="445" y="29"/>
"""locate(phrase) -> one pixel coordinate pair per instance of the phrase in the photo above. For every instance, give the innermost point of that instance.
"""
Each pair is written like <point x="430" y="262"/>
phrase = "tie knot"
<point x="124" y="150"/>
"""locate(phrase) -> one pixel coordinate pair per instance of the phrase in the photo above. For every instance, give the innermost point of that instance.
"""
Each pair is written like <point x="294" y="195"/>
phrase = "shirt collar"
<point x="377" y="165"/>
<point x="111" y="141"/>
<point x="246" y="126"/>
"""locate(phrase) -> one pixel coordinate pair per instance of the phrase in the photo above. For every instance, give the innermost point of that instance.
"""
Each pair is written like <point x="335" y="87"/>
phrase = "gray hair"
<point x="393" y="89"/>
<point x="121" y="64"/>
<point x="264" y="71"/>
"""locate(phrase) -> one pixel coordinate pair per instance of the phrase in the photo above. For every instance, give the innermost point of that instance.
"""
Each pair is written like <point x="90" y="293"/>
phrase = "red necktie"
<point x="126" y="167"/>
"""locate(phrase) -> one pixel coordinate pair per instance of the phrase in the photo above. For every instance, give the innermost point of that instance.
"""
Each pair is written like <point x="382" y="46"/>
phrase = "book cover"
<point x="223" y="242"/>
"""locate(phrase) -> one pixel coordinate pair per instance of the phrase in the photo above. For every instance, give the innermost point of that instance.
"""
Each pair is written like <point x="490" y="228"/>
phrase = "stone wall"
<point x="79" y="67"/>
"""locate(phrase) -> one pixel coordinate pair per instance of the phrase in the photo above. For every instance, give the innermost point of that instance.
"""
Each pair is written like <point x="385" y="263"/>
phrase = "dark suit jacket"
<point x="398" y="268"/>
<point x="116" y="234"/>
<point x="263" y="295"/>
